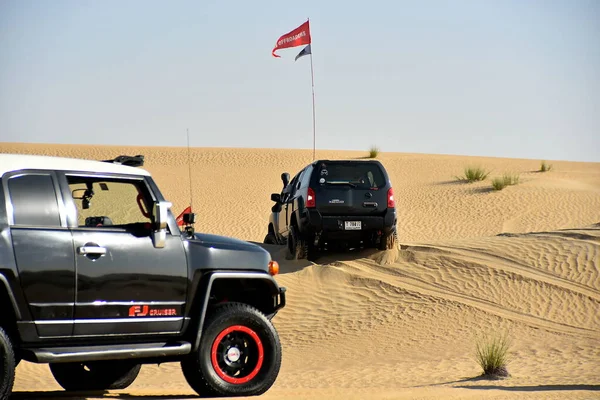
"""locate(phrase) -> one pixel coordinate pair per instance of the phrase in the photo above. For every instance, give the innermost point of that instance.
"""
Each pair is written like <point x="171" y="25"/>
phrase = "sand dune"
<point x="402" y="324"/>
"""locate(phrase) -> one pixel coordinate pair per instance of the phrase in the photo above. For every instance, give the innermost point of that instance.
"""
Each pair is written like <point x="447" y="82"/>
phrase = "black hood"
<point x="225" y="241"/>
<point x="220" y="252"/>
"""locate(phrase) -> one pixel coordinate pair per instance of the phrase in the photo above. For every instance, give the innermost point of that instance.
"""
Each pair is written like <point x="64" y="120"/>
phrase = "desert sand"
<point x="402" y="324"/>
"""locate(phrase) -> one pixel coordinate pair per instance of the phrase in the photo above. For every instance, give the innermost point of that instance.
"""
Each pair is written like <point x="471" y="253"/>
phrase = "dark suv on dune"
<point x="334" y="202"/>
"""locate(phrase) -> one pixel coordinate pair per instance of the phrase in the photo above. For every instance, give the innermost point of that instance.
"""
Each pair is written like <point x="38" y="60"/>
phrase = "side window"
<point x="305" y="181"/>
<point x="299" y="181"/>
<point x="103" y="202"/>
<point x="290" y="189"/>
<point x="33" y="200"/>
<point x="296" y="183"/>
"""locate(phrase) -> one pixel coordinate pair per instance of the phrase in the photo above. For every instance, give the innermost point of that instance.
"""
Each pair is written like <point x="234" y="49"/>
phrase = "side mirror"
<point x="285" y="177"/>
<point x="276" y="197"/>
<point x="160" y="214"/>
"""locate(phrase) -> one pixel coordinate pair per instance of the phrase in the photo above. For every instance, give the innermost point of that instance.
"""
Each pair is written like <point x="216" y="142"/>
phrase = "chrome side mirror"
<point x="160" y="213"/>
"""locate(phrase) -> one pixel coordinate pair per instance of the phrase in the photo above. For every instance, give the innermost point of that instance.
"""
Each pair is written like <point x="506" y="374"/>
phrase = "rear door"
<point x="124" y="284"/>
<point x="294" y="193"/>
<point x="350" y="188"/>
<point x="43" y="249"/>
<point x="287" y="204"/>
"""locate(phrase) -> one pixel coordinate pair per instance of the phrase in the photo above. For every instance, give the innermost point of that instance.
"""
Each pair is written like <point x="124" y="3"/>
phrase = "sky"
<point x="506" y="78"/>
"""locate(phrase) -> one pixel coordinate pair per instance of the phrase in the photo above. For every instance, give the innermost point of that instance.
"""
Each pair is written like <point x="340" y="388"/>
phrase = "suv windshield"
<point x="363" y="175"/>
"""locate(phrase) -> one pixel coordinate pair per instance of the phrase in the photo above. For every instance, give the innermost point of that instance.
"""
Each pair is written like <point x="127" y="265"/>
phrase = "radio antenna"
<point x="190" y="168"/>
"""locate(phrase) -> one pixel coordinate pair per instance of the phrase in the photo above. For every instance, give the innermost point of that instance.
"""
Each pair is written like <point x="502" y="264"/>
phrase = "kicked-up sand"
<point x="403" y="324"/>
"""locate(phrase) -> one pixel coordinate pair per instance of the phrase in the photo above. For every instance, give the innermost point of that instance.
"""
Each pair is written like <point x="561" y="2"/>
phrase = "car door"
<point x="294" y="192"/>
<point x="43" y="249"/>
<point x="125" y="285"/>
<point x="286" y="200"/>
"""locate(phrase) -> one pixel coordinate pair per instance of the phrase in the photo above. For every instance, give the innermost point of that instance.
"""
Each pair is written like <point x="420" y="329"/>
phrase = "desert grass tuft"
<point x="373" y="152"/>
<point x="491" y="353"/>
<point x="504" y="181"/>
<point x="473" y="174"/>
<point x="545" y="167"/>
<point x="498" y="183"/>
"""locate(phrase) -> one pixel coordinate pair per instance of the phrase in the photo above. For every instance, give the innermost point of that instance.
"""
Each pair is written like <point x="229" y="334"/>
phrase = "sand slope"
<point x="402" y="324"/>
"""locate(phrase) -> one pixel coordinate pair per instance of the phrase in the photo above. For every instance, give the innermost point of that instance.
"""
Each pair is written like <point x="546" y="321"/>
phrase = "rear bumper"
<point x="313" y="222"/>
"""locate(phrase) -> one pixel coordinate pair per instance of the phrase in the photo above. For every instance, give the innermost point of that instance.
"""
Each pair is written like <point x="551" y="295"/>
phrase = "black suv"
<point x="345" y="202"/>
<point x="97" y="278"/>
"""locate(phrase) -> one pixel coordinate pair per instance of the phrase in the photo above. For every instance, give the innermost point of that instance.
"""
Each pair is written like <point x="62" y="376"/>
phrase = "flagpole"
<point x="312" y="80"/>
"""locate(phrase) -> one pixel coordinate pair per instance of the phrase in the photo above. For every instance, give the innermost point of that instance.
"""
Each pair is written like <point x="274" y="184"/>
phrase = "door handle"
<point x="95" y="250"/>
<point x="370" y="204"/>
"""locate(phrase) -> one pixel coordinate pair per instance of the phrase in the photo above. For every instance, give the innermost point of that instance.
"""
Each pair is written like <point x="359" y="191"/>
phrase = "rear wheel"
<point x="7" y="366"/>
<point x="299" y="247"/>
<point x="295" y="244"/>
<point x="95" y="375"/>
<point x="239" y="354"/>
<point x="388" y="241"/>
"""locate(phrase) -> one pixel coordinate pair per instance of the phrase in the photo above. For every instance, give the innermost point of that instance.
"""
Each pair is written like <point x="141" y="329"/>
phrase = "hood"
<point x="219" y="252"/>
<point x="225" y="241"/>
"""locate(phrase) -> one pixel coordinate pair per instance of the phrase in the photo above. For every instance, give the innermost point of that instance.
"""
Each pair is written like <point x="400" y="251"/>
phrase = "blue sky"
<point x="492" y="78"/>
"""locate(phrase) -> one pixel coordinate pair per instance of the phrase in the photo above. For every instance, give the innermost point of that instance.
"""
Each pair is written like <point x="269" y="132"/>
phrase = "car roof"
<point x="17" y="162"/>
<point x="316" y="162"/>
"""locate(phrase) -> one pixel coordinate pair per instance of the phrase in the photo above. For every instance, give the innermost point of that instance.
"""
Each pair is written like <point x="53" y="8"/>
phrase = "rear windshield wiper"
<point x="340" y="183"/>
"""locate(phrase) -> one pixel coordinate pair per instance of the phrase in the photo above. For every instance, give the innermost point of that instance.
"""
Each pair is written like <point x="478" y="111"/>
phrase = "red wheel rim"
<point x="241" y="332"/>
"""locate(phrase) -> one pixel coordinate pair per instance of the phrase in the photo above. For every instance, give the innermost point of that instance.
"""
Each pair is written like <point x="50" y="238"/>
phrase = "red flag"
<point x="298" y="37"/>
<point x="180" y="217"/>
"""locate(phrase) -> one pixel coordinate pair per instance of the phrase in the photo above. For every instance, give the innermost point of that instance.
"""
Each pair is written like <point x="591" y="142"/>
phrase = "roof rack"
<point x="131" y="161"/>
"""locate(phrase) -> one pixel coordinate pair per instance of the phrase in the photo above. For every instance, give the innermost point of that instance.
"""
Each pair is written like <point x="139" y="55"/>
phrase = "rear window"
<point x="358" y="174"/>
<point x="34" y="200"/>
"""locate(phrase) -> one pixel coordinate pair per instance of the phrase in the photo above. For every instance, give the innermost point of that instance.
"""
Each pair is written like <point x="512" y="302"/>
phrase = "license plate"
<point x="352" y="225"/>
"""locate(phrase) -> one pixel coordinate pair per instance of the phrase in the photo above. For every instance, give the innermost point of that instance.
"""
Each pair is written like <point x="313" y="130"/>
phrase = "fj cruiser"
<point x="349" y="202"/>
<point x="97" y="278"/>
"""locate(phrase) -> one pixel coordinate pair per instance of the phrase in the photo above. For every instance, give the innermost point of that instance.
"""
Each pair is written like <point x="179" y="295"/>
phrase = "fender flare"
<point x="276" y="290"/>
<point x="11" y="296"/>
<point x="274" y="221"/>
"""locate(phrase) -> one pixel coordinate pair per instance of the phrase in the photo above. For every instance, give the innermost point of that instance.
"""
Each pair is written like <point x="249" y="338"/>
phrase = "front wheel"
<point x="239" y="354"/>
<point x="95" y="375"/>
<point x="270" y="239"/>
<point x="7" y="365"/>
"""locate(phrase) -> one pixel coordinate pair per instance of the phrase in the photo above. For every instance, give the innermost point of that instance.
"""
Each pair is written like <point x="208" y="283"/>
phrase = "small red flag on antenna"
<point x="180" y="217"/>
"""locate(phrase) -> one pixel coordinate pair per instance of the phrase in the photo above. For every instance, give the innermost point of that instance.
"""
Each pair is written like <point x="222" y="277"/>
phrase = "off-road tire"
<point x="95" y="375"/>
<point x="388" y="241"/>
<point x="298" y="247"/>
<point x="270" y="239"/>
<point x="234" y="323"/>
<point x="7" y="366"/>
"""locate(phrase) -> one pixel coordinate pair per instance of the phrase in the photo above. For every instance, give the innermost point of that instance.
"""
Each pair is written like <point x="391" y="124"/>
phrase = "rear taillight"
<point x="391" y="200"/>
<point x="311" y="202"/>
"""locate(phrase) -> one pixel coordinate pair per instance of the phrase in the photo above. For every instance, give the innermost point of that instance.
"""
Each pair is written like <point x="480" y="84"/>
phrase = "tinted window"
<point x="290" y="189"/>
<point x="297" y="181"/>
<point x="34" y="200"/>
<point x="305" y="180"/>
<point x="360" y="174"/>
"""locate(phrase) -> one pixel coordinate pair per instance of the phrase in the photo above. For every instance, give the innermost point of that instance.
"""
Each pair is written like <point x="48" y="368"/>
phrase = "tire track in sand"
<point x="370" y="269"/>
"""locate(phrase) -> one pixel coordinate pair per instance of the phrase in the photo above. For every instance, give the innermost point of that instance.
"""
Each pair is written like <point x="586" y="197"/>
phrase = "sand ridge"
<point x="401" y="324"/>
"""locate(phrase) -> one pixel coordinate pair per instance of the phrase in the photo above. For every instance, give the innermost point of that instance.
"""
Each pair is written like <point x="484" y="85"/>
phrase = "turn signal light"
<point x="273" y="267"/>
